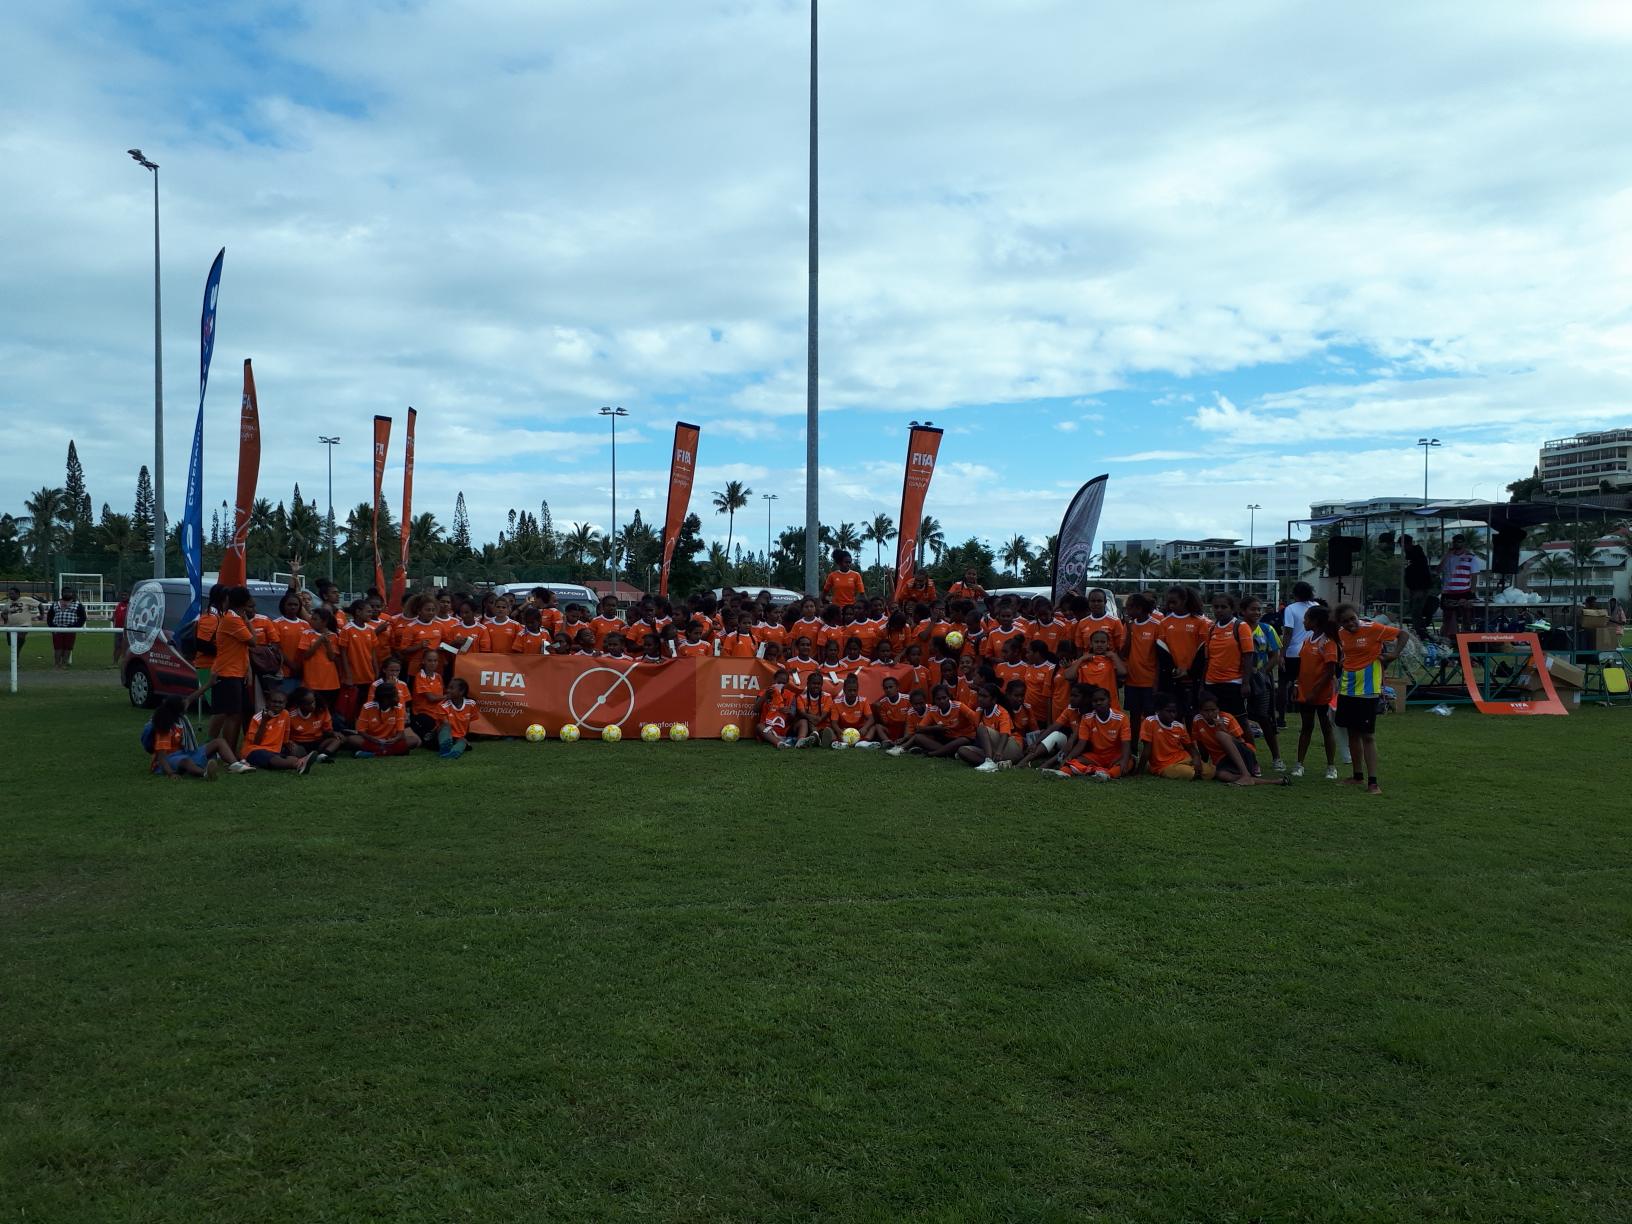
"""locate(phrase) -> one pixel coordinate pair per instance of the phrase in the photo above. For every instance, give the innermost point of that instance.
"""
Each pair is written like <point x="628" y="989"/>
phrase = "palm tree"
<point x="1146" y="563"/>
<point x="117" y="534"/>
<point x="728" y="501"/>
<point x="579" y="542"/>
<point x="846" y="536"/>
<point x="1206" y="569"/>
<point x="303" y="530"/>
<point x="878" y="533"/>
<point x="424" y="535"/>
<point x="1112" y="561"/>
<point x="931" y="537"/>
<point x="1015" y="553"/>
<point x="1554" y="568"/>
<point x="48" y="514"/>
<point x="718" y="565"/>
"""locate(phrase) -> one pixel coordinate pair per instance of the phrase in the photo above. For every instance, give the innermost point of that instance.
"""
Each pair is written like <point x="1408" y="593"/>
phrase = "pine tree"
<point x="215" y="528"/>
<point x="461" y="525"/>
<point x="512" y="524"/>
<point x="546" y="531"/>
<point x="78" y="503"/>
<point x="143" y="515"/>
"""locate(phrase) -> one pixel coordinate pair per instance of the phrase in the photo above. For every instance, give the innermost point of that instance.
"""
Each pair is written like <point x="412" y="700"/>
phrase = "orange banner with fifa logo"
<point x="923" y="445"/>
<point x="682" y="470"/>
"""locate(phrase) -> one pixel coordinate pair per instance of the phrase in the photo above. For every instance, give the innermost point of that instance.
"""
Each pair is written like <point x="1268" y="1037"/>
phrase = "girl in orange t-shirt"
<point x="1140" y="650"/>
<point x="1165" y="747"/>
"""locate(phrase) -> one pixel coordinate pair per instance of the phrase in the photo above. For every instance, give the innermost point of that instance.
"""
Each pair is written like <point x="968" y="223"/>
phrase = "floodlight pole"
<point x="330" y="444"/>
<point x="158" y="379"/>
<point x="768" y="498"/>
<point x="813" y="519"/>
<point x="612" y="414"/>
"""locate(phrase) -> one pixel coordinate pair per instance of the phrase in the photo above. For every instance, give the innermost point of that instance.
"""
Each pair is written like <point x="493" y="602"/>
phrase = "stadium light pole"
<point x="612" y="414"/>
<point x="813" y="519"/>
<point x="331" y="443"/>
<point x="158" y="379"/>
<point x="1252" y="537"/>
<point x="1427" y="445"/>
<point x="768" y="498"/>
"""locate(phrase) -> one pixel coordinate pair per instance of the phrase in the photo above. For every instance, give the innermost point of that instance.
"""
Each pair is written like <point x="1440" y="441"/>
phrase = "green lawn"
<point x="699" y="982"/>
<point x="93" y="652"/>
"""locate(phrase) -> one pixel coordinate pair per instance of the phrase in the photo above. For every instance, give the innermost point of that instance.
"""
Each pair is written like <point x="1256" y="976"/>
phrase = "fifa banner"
<point x="234" y="562"/>
<point x="382" y="440"/>
<point x="399" y="580"/>
<point x="682" y="467"/>
<point x="923" y="445"/>
<point x="514" y="691"/>
<point x="192" y="516"/>
<point x="1074" y="547"/>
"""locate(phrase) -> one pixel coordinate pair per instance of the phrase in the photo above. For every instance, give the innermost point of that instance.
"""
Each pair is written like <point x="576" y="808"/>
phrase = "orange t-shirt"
<point x="1039" y="678"/>
<point x="923" y="594"/>
<point x="962" y="590"/>
<point x="528" y="641"/>
<point x="412" y="639"/>
<point x="457" y="717"/>
<point x="165" y="742"/>
<point x="357" y="647"/>
<point x="892" y="715"/>
<point x="1206" y="735"/>
<point x="819" y="713"/>
<point x="428" y="695"/>
<point x="501" y="634"/>
<point x="602" y="626"/>
<point x="1105" y="736"/>
<point x="1316" y="679"/>
<point x="1090" y="625"/>
<point x="771" y="631"/>
<point x="1226" y="644"/>
<point x="232" y="642"/>
<point x="268" y="732"/>
<point x="550" y="620"/>
<point x="848" y="714"/>
<point x="322" y="670"/>
<point x="694" y="650"/>
<point x="1099" y="670"/>
<point x="957" y="720"/>
<point x="1183" y="635"/>
<point x="843" y="587"/>
<point x="380" y="724"/>
<point x="480" y="638"/>
<point x="1052" y="633"/>
<point x="285" y="634"/>
<point x="991" y="646"/>
<point x="1142" y="638"/>
<point x="1169" y="744"/>
<point x="1364" y="646"/>
<point x="738" y="645"/>
<point x="1024" y="719"/>
<point x="310" y="728"/>
<point x="997" y="718"/>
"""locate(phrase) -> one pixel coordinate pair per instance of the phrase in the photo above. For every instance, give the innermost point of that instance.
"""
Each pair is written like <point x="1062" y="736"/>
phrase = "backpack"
<point x="189" y="645"/>
<point x="147" y="736"/>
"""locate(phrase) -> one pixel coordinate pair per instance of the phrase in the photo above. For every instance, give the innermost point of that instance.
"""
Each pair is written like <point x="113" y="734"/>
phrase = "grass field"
<point x="93" y="653"/>
<point x="698" y="982"/>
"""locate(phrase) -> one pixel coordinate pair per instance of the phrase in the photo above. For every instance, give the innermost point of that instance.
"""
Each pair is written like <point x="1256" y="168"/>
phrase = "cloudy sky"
<point x="1229" y="254"/>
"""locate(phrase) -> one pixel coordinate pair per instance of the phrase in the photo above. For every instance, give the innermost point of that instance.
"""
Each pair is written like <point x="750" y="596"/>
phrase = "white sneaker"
<point x="810" y="741"/>
<point x="987" y="766"/>
<point x="1297" y="770"/>
<point x="1280" y="765"/>
<point x="240" y="767"/>
<point x="1055" y="773"/>
<point x="1331" y="773"/>
<point x="1345" y="755"/>
<point x="895" y="750"/>
<point x="1099" y="775"/>
<point x="839" y="745"/>
<point x="868" y="744"/>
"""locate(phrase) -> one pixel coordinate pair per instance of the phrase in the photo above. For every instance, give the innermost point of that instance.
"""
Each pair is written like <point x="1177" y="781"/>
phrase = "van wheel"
<point x="140" y="688"/>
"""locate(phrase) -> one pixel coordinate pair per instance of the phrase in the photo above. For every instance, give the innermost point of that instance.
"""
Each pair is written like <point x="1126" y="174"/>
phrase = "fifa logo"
<point x="683" y="458"/>
<point x="740" y="684"/>
<point x="503" y="680"/>
<point x="921" y="459"/>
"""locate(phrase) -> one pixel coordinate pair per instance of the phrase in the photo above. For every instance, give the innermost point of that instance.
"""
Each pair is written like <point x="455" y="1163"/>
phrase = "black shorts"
<point x="1357" y="714"/>
<point x="1289" y="669"/>
<point x="1313" y="709"/>
<point x="229" y="695"/>
<point x="1249" y="758"/>
<point x="1230" y="699"/>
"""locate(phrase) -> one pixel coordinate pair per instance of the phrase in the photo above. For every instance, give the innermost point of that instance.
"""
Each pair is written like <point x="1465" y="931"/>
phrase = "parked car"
<point x="564" y="592"/>
<point x="781" y="597"/>
<point x="155" y="668"/>
<point x="1031" y="592"/>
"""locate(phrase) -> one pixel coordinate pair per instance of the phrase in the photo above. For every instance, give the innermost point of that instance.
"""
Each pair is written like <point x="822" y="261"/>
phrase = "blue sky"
<point x="1229" y="256"/>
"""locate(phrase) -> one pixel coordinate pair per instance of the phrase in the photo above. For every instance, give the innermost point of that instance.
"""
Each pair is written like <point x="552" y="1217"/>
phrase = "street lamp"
<point x="1427" y="445"/>
<point x="1252" y="537"/>
<point x="331" y="443"/>
<point x="768" y="498"/>
<point x="158" y="379"/>
<point x="612" y="414"/>
<point x="813" y="518"/>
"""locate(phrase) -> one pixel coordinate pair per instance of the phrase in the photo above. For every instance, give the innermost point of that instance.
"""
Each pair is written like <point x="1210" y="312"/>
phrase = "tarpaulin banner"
<point x="192" y="515"/>
<point x="1074" y="547"/>
<point x="923" y="445"/>
<point x="682" y="467"/>
<point x="399" y="580"/>
<point x="382" y="440"/>
<point x="234" y="562"/>
<point x="513" y="691"/>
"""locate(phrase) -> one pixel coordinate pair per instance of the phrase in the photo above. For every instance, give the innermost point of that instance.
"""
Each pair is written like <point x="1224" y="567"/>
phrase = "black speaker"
<point x="1340" y="551"/>
<point x="1504" y="549"/>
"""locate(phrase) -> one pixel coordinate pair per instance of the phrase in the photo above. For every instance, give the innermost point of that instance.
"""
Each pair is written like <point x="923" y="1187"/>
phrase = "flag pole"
<point x="813" y="518"/>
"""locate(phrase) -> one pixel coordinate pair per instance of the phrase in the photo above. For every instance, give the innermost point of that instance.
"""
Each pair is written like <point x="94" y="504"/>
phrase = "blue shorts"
<point x="198" y="756"/>
<point x="259" y="757"/>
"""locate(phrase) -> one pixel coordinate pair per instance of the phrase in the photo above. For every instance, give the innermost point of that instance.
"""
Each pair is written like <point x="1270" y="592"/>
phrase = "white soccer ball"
<point x="651" y="733"/>
<point x="729" y="733"/>
<point x="954" y="640"/>
<point x="612" y="734"/>
<point x="679" y="733"/>
<point x="536" y="734"/>
<point x="569" y="733"/>
<point x="851" y="736"/>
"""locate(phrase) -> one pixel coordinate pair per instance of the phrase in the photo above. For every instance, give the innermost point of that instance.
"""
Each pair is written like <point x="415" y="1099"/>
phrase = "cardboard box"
<point x="1607" y="638"/>
<point x="1593" y="618"/>
<point x="1565" y="673"/>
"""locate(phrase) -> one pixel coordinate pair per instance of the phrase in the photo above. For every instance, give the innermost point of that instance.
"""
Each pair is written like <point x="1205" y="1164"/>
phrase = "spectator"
<point x="66" y="613"/>
<point x="18" y="609"/>
<point x="1460" y="569"/>
<point x="1419" y="581"/>
<point x="121" y="609"/>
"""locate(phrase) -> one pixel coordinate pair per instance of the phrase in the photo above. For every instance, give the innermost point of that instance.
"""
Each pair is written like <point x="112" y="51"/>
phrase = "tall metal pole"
<point x="158" y="378"/>
<point x="331" y="443"/>
<point x="1252" y="541"/>
<point x="768" y="499"/>
<point x="1427" y="445"/>
<point x="612" y="414"/>
<point x="813" y="518"/>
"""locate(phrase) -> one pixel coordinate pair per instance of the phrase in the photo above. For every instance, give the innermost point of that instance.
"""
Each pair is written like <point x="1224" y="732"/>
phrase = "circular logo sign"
<point x="601" y="697"/>
<point x="144" y="617"/>
<point x="1074" y="568"/>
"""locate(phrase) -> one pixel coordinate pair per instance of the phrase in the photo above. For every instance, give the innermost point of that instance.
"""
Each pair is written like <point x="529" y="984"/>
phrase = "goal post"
<point x="88" y="586"/>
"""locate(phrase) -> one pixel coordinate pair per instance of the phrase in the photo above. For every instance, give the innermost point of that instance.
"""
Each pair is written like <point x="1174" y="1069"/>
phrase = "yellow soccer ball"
<point x="729" y="733"/>
<point x="536" y="734"/>
<point x="569" y="733"/>
<point x="679" y="733"/>
<point x="651" y="733"/>
<point x="851" y="736"/>
<point x="612" y="734"/>
<point x="954" y="640"/>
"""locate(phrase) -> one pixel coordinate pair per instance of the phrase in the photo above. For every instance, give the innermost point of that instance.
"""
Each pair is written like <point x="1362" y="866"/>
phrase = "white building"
<point x="1586" y="464"/>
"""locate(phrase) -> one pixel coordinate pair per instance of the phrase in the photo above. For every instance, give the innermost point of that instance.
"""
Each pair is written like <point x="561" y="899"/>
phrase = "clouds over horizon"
<point x="1271" y="244"/>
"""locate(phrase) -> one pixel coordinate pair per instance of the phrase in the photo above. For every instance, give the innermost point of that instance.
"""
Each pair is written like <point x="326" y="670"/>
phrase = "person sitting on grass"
<point x="311" y="727"/>
<point x="850" y="713"/>
<point x="811" y="715"/>
<point x="943" y="728"/>
<point x="1056" y="737"/>
<point x="1101" y="744"/>
<point x="267" y="744"/>
<point x="171" y="760"/>
<point x="1166" y="749"/>
<point x="995" y="746"/>
<point x="917" y="711"/>
<point x="771" y="712"/>
<point x="889" y="714"/>
<point x="381" y="727"/>
<point x="458" y="711"/>
<point x="1218" y="734"/>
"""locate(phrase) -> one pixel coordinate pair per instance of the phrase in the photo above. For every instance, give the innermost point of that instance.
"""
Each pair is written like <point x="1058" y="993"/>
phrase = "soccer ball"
<point x="729" y="733"/>
<point x="651" y="733"/>
<point x="954" y="640"/>
<point x="851" y="736"/>
<point x="569" y="733"/>
<point x="612" y="734"/>
<point x="536" y="734"/>
<point x="679" y="732"/>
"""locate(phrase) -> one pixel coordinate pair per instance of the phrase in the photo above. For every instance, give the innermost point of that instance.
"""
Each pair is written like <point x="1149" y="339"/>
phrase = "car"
<point x="155" y="668"/>
<point x="565" y="592"/>
<point x="1032" y="592"/>
<point x="781" y="597"/>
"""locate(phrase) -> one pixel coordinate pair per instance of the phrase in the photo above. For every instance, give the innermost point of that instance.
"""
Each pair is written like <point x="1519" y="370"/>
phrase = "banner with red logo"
<point x="682" y="467"/>
<point x="235" y="561"/>
<point x="514" y="691"/>
<point x="382" y="440"/>
<point x="923" y="445"/>
<point x="399" y="580"/>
